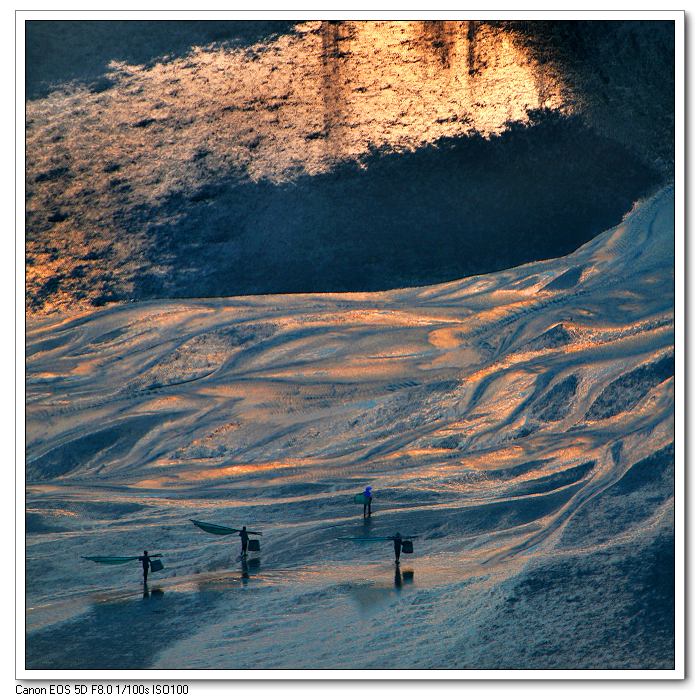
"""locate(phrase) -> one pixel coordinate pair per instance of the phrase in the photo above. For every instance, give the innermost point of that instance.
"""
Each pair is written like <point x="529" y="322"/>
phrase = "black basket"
<point x="407" y="547"/>
<point x="253" y="545"/>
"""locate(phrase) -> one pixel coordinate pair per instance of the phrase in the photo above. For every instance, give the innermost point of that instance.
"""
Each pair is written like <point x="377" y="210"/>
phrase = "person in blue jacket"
<point x="367" y="507"/>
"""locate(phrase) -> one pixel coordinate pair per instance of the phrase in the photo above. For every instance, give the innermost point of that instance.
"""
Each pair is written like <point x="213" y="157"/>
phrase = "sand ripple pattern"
<point x="507" y="418"/>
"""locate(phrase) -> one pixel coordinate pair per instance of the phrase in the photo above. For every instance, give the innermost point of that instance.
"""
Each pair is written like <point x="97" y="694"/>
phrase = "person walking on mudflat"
<point x="146" y="563"/>
<point x="402" y="543"/>
<point x="152" y="562"/>
<point x="397" y="546"/>
<point x="367" y="506"/>
<point x="243" y="534"/>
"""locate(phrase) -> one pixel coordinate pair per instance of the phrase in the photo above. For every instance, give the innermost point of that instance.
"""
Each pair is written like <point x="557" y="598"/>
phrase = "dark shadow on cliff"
<point x="465" y="206"/>
<point x="63" y="51"/>
<point x="623" y="72"/>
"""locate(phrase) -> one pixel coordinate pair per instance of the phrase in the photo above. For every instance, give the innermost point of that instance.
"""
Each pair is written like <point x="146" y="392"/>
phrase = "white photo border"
<point x="678" y="17"/>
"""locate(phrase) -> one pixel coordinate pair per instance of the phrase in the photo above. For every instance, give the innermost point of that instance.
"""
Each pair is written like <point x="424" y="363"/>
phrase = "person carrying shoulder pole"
<point x="397" y="545"/>
<point x="243" y="534"/>
<point x="146" y="562"/>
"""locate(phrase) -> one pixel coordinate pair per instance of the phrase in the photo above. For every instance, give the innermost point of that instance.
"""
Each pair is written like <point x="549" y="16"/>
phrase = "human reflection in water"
<point x="402" y="578"/>
<point x="247" y="567"/>
<point x="155" y="593"/>
<point x="397" y="576"/>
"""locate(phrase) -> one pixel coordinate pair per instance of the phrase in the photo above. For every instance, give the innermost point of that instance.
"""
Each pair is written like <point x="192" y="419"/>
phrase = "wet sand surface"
<point x="521" y="423"/>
